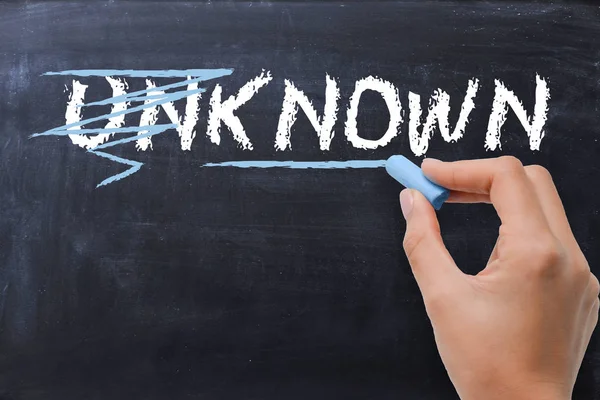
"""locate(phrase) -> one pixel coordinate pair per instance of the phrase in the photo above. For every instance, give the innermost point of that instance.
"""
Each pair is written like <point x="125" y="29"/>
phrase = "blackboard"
<point x="185" y="281"/>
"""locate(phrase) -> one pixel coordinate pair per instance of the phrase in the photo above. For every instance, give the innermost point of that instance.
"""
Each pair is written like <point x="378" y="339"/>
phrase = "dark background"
<point x="185" y="282"/>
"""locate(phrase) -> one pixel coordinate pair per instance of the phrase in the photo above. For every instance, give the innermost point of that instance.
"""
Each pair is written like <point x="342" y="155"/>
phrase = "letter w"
<point x="439" y="108"/>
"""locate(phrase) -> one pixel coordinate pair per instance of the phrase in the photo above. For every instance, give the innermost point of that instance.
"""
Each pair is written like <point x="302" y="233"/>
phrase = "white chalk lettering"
<point x="289" y="111"/>
<point x="223" y="111"/>
<point x="439" y="109"/>
<point x="390" y="95"/>
<point x="534" y="126"/>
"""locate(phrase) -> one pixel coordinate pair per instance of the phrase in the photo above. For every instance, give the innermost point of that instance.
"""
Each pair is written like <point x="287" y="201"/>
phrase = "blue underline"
<point x="358" y="164"/>
<point x="204" y="74"/>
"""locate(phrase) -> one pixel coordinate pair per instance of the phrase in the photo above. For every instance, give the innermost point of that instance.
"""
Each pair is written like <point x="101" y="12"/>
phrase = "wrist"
<point x="520" y="395"/>
<point x="539" y="390"/>
<point x="531" y="391"/>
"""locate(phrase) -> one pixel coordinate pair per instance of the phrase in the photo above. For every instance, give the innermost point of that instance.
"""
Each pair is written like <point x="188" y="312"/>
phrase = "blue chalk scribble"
<point x="151" y="100"/>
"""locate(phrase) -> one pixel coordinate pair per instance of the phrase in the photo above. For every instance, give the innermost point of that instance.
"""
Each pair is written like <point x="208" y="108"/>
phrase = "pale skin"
<point x="519" y="328"/>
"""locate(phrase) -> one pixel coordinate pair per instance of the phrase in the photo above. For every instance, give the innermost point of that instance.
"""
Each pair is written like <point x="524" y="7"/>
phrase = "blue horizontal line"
<point x="301" y="164"/>
<point x="168" y="98"/>
<point x="142" y="94"/>
<point x="105" y="131"/>
<point x="171" y="73"/>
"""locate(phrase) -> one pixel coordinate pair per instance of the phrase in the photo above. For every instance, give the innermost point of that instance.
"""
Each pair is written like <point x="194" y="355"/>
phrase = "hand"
<point x="519" y="328"/>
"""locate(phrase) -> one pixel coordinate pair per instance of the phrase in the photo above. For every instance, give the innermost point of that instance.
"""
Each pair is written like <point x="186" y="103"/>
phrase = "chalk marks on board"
<point x="439" y="110"/>
<point x="152" y="97"/>
<point x="295" y="98"/>
<point x="534" y="125"/>
<point x="222" y="112"/>
<point x="357" y="164"/>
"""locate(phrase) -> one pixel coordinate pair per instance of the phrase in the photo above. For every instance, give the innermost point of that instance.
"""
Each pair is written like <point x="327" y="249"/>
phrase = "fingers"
<point x="494" y="255"/>
<point x="464" y="197"/>
<point x="594" y="292"/>
<point x="548" y="198"/>
<point x="505" y="182"/>
<point x="551" y="204"/>
<point x="593" y="318"/>
<point x="593" y="289"/>
<point x="429" y="259"/>
<point x="592" y="322"/>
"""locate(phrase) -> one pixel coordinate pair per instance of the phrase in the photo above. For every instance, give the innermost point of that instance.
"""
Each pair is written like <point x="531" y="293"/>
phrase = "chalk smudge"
<point x="3" y="296"/>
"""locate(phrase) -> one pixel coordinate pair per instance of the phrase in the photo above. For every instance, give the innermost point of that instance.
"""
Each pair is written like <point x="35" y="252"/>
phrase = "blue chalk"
<point x="411" y="176"/>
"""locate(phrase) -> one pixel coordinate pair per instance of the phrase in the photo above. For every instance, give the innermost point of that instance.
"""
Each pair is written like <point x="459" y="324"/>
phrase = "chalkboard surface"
<point x="184" y="281"/>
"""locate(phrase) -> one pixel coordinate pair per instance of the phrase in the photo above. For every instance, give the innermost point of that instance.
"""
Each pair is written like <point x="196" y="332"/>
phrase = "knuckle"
<point x="510" y="163"/>
<point x="454" y="177"/>
<point x="581" y="262"/>
<point x="548" y="256"/>
<point x="503" y="231"/>
<point x="594" y="285"/>
<point x="552" y="255"/>
<point x="538" y="173"/>
<point x="580" y="270"/>
<point x="412" y="241"/>
<point x="551" y="251"/>
<point x="435" y="302"/>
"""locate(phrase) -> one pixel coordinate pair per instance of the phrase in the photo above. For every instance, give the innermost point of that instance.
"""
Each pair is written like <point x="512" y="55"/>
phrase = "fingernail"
<point x="431" y="161"/>
<point x="406" y="202"/>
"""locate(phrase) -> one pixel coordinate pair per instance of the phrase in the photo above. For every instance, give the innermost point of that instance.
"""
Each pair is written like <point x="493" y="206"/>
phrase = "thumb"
<point x="433" y="267"/>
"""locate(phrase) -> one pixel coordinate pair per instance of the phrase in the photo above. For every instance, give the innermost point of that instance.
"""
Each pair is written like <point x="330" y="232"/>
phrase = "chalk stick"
<point x="408" y="174"/>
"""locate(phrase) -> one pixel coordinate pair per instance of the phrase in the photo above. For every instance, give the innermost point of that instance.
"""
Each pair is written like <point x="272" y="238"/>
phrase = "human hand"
<point x="519" y="328"/>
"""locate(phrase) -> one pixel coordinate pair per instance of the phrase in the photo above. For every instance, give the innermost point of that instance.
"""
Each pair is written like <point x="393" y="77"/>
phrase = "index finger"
<point x="505" y="181"/>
